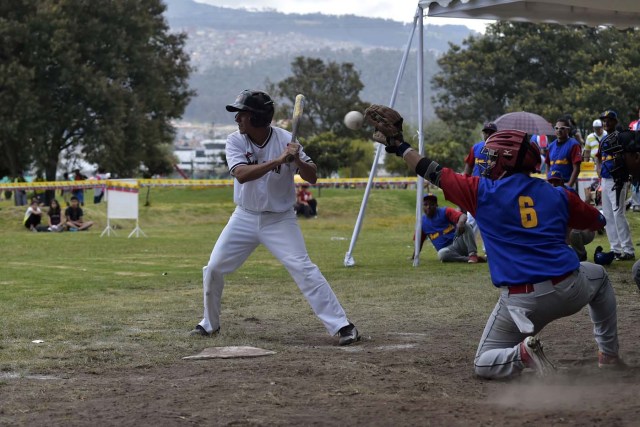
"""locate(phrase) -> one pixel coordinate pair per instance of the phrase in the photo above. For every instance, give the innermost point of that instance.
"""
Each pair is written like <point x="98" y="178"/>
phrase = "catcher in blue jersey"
<point x="523" y="220"/>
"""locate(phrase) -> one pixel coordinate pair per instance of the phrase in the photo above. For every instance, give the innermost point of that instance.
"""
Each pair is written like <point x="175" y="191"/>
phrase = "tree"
<point x="353" y="157"/>
<point x="18" y="100"/>
<point x="102" y="78"/>
<point x="360" y="154"/>
<point x="331" y="90"/>
<point x="443" y="143"/>
<point x="546" y="69"/>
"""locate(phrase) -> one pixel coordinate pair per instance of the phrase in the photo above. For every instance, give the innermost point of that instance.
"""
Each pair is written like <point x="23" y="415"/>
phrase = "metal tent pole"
<point x="419" y="179"/>
<point x="348" y="258"/>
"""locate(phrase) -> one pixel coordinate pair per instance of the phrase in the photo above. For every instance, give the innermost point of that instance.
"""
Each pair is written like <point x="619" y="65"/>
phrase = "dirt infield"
<point x="412" y="373"/>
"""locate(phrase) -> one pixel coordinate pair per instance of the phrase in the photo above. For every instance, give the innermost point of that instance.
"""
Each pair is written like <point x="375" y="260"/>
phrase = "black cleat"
<point x="200" y="331"/>
<point x="348" y="334"/>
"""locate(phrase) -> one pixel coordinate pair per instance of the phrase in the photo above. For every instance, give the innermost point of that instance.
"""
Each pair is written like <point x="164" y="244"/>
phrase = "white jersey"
<point x="273" y="192"/>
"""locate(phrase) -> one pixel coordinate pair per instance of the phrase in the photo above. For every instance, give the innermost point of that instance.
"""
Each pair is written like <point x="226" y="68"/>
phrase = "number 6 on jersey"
<point x="528" y="215"/>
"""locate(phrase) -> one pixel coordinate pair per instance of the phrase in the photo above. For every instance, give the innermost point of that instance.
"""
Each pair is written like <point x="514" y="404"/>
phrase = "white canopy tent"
<point x="618" y="13"/>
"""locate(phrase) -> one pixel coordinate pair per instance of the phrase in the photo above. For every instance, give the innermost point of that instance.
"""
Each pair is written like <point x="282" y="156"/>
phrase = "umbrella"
<point x="526" y="122"/>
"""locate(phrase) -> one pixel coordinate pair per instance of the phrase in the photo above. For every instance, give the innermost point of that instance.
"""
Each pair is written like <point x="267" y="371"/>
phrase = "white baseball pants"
<point x="518" y="316"/>
<point x="281" y="235"/>
<point x="617" y="227"/>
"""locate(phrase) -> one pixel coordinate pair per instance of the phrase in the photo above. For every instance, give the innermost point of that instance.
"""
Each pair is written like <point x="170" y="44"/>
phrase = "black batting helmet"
<point x="258" y="103"/>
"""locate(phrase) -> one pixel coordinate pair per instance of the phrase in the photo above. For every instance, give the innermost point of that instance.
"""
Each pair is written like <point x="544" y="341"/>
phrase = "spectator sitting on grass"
<point x="73" y="216"/>
<point x="305" y="203"/>
<point x="56" y="222"/>
<point x="33" y="215"/>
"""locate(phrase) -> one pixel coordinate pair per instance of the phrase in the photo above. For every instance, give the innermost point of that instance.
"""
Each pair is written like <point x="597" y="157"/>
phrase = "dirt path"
<point x="418" y="376"/>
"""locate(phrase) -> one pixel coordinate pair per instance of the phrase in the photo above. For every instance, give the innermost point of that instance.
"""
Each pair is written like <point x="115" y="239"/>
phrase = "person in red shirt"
<point x="305" y="203"/>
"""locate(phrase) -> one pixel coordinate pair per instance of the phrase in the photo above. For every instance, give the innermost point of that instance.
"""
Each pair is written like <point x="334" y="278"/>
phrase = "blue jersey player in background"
<point x="476" y="160"/>
<point x="565" y="154"/>
<point x="523" y="221"/>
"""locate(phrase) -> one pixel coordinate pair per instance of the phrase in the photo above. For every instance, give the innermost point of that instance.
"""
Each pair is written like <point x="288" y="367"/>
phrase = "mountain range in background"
<point x="236" y="49"/>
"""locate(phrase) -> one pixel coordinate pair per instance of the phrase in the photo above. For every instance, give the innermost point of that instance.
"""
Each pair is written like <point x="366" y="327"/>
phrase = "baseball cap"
<point x="597" y="123"/>
<point x="490" y="126"/>
<point x="555" y="176"/>
<point x="429" y="196"/>
<point x="609" y="114"/>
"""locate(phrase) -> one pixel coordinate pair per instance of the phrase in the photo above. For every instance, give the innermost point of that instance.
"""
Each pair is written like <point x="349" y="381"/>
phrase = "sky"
<point x="398" y="10"/>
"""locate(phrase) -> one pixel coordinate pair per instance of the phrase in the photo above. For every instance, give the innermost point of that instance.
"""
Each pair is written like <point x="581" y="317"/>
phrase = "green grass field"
<point x="112" y="300"/>
<point x="103" y="304"/>
<point x="93" y="298"/>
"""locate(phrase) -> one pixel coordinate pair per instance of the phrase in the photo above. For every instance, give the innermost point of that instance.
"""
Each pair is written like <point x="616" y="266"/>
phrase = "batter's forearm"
<point x="308" y="171"/>
<point x="246" y="173"/>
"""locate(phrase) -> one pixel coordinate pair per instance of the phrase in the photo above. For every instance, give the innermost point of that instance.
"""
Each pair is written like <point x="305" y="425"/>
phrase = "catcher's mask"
<point x="509" y="152"/>
<point x="613" y="148"/>
<point x="258" y="103"/>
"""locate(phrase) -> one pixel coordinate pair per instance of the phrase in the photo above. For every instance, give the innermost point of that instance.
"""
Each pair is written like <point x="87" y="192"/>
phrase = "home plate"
<point x="229" y="353"/>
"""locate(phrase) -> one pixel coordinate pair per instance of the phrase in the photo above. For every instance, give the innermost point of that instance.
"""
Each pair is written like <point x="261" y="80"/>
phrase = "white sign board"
<point x="123" y="200"/>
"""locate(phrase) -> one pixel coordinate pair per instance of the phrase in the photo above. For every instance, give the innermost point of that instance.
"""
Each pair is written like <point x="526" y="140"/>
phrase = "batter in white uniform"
<point x="264" y="193"/>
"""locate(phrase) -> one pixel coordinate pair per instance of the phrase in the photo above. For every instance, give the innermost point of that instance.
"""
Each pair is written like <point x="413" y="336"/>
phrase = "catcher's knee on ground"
<point x="498" y="363"/>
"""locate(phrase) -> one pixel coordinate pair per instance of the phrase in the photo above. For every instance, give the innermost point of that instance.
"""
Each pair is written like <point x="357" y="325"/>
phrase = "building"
<point x="204" y="161"/>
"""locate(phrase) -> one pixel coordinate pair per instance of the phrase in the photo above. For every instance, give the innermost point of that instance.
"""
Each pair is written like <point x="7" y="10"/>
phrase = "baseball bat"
<point x="298" y="108"/>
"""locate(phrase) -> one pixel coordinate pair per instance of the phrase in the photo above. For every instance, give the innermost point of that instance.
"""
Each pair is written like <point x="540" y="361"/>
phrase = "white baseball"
<point x="353" y="120"/>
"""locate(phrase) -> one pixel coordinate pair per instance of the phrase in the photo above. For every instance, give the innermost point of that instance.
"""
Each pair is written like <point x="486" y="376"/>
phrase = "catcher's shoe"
<point x="348" y="334"/>
<point x="610" y="362"/>
<point x="533" y="356"/>
<point x="200" y="331"/>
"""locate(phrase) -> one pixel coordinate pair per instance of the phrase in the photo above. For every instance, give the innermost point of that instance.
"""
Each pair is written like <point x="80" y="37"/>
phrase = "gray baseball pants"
<point x="462" y="246"/>
<point x="518" y="316"/>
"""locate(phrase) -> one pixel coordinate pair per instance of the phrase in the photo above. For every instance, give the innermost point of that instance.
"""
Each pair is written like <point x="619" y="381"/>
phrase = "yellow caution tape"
<point x="589" y="173"/>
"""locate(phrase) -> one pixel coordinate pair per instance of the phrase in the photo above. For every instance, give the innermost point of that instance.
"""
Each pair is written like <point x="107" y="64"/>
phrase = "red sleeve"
<point x="547" y="160"/>
<point x="460" y="189"/>
<point x="471" y="158"/>
<point x="576" y="154"/>
<point x="452" y="215"/>
<point x="583" y="216"/>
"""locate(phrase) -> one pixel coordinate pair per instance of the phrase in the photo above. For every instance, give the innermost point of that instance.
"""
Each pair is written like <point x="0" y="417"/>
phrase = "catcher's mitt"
<point x="387" y="122"/>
